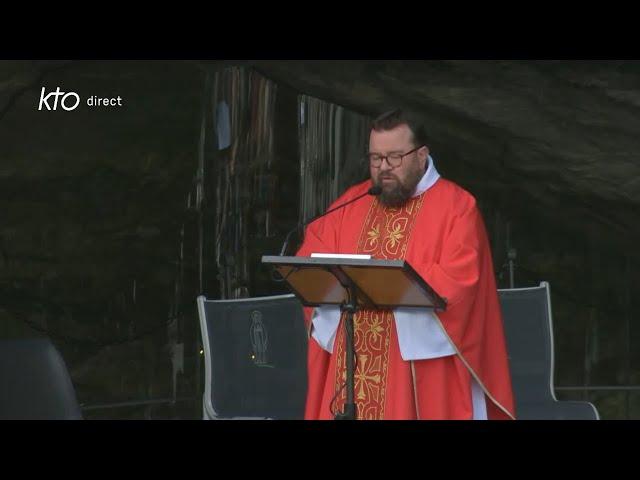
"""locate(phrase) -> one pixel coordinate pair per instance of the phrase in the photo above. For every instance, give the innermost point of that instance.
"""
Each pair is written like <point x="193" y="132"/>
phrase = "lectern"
<point x="354" y="283"/>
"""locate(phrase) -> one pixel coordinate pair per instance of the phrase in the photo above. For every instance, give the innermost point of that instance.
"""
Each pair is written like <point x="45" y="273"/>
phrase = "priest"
<point x="411" y="363"/>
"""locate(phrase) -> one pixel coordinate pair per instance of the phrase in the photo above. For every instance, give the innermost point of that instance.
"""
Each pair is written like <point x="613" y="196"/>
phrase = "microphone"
<point x="375" y="191"/>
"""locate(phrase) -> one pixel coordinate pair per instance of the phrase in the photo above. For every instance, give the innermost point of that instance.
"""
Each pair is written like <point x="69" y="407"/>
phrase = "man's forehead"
<point x="399" y="137"/>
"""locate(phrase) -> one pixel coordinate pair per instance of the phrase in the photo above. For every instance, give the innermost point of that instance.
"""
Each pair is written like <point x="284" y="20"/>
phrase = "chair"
<point x="255" y="352"/>
<point x="35" y="383"/>
<point x="529" y="333"/>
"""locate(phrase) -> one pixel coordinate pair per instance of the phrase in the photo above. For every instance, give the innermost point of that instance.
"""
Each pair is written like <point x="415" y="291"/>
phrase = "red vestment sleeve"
<point x="464" y="275"/>
<point x="320" y="237"/>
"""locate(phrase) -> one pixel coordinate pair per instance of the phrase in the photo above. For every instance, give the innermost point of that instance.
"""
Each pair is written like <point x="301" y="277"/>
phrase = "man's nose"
<point x="384" y="166"/>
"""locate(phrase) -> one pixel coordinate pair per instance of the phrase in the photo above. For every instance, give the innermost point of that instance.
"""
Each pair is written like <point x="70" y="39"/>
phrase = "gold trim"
<point x="415" y="389"/>
<point x="473" y="373"/>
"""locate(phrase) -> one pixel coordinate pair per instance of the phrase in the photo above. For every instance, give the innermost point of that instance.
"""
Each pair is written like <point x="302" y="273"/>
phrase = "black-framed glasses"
<point x="393" y="159"/>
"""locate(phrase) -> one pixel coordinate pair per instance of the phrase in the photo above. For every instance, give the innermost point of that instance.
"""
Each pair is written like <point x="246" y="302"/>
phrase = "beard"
<point x="397" y="193"/>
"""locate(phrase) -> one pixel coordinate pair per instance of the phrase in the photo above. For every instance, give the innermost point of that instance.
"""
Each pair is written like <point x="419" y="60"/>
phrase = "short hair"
<point x="396" y="117"/>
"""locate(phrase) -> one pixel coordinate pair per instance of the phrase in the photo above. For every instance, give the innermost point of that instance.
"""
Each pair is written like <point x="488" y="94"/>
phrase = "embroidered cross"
<point x="364" y="376"/>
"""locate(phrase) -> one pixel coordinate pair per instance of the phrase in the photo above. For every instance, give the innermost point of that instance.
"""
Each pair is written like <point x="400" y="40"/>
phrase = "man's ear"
<point x="423" y="155"/>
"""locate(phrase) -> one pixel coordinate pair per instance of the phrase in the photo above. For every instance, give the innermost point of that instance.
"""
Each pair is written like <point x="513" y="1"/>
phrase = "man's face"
<point x="398" y="183"/>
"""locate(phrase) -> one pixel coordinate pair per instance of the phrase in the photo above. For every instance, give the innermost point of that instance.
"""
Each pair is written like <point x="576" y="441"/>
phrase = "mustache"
<point x="390" y="176"/>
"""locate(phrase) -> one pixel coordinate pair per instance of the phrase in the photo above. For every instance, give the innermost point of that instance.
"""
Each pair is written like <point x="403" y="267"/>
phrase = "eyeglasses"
<point x="393" y="159"/>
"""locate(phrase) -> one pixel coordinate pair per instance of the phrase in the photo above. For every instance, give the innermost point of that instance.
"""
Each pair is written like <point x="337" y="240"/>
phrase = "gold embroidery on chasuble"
<point x="385" y="236"/>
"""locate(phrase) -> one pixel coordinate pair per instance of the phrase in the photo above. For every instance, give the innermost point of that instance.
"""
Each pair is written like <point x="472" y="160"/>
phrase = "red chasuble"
<point x="442" y="235"/>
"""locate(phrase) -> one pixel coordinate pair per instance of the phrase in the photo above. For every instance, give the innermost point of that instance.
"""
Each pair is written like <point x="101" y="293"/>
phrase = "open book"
<point x="341" y="255"/>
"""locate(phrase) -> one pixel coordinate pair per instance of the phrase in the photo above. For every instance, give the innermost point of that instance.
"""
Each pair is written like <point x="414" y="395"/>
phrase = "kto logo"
<point x="65" y="102"/>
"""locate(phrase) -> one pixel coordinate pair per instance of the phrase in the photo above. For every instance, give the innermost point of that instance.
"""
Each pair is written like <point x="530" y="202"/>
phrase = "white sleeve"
<point x="325" y="322"/>
<point x="420" y="335"/>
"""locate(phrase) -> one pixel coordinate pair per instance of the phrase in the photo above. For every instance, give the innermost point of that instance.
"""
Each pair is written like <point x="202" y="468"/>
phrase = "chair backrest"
<point x="34" y="382"/>
<point x="528" y="329"/>
<point x="255" y="357"/>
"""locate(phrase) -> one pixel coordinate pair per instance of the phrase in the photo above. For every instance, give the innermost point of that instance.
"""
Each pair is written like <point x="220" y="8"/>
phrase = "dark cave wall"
<point x="93" y="201"/>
